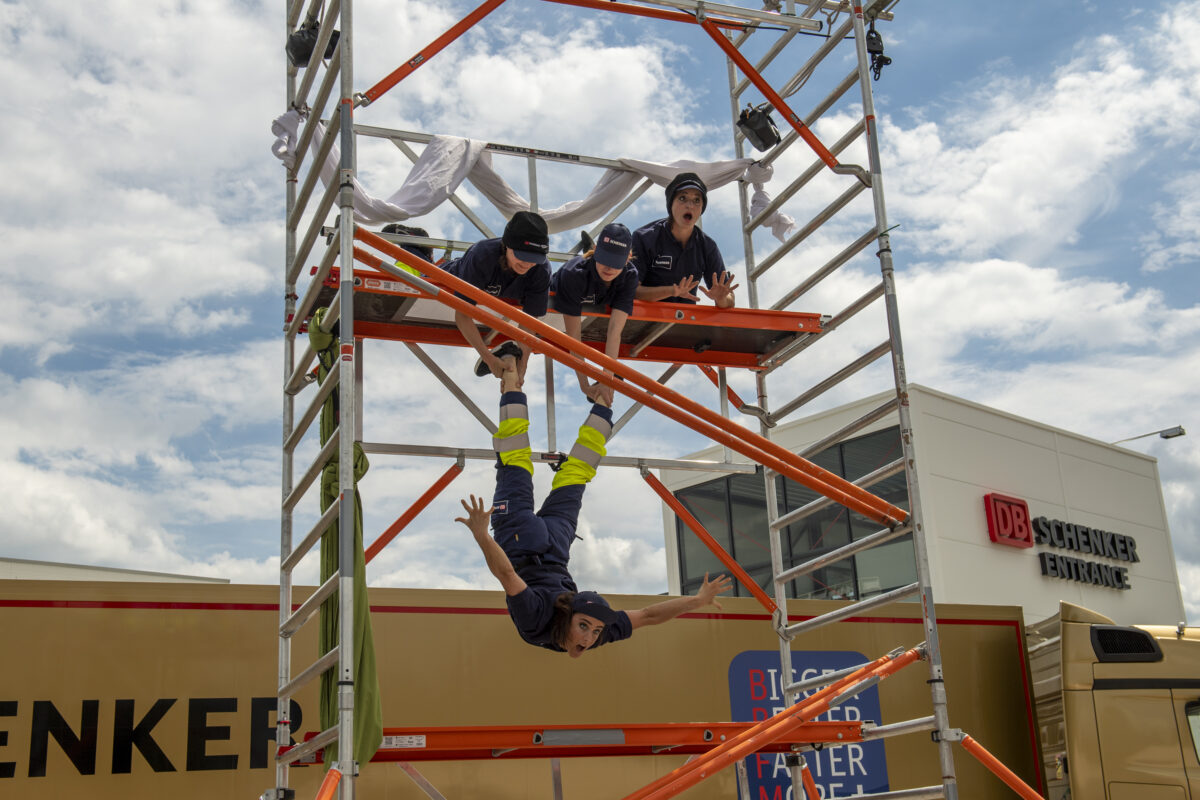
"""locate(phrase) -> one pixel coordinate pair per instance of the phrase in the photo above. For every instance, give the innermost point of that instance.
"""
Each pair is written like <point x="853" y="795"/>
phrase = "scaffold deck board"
<point x="386" y="308"/>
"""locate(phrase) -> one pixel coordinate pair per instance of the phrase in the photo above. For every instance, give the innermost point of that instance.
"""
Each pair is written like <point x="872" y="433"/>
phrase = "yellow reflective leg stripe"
<point x="511" y="444"/>
<point x="585" y="456"/>
<point x="573" y="472"/>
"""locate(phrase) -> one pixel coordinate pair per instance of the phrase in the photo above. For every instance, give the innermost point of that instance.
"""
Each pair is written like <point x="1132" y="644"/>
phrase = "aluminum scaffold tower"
<point x="430" y="296"/>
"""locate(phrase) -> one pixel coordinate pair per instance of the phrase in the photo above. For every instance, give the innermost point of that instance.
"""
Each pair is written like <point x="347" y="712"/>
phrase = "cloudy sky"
<point x="1039" y="159"/>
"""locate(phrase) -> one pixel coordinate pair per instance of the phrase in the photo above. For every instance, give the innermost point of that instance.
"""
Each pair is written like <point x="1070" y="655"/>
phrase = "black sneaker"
<point x="509" y="348"/>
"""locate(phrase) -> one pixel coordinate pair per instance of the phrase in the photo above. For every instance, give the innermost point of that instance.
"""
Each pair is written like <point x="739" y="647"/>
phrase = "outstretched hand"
<point x="721" y="292"/>
<point x="686" y="287"/>
<point x="710" y="589"/>
<point x="477" y="518"/>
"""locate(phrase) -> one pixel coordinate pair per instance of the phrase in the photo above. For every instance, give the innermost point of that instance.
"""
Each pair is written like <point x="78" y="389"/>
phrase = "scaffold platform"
<point x="675" y="333"/>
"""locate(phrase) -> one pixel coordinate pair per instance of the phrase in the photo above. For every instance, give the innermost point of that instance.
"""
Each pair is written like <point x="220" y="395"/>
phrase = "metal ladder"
<point x="302" y="179"/>
<point x="938" y="722"/>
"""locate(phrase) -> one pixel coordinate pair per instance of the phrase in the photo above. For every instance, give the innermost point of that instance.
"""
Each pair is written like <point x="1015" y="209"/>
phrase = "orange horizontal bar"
<point x="425" y="334"/>
<point x="641" y="388"/>
<point x="709" y="542"/>
<point x="375" y="282"/>
<point x="653" y="13"/>
<point x="997" y="767"/>
<point x="472" y="743"/>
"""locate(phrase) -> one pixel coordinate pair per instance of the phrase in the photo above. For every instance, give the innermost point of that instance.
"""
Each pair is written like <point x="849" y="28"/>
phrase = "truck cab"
<point x="1118" y="707"/>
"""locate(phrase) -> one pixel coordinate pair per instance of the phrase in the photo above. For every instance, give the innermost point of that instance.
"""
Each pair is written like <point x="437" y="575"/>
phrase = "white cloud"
<point x="141" y="210"/>
<point x="130" y="197"/>
<point x="1176" y="219"/>
<point x="1020" y="166"/>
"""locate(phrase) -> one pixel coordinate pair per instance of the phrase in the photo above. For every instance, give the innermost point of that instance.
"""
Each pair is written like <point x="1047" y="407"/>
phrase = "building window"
<point x="733" y="509"/>
<point x="1192" y="711"/>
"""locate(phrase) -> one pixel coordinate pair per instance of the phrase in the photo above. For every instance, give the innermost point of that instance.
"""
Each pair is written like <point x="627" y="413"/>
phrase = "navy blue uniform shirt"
<point x="533" y="609"/>
<point x="576" y="284"/>
<point x="482" y="266"/>
<point x="662" y="261"/>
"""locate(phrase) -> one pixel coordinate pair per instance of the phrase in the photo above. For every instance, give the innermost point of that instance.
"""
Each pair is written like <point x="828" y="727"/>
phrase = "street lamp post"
<point x="1165" y="433"/>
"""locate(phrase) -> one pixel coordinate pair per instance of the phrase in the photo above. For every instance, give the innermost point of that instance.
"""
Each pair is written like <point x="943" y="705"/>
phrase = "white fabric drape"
<point x="447" y="161"/>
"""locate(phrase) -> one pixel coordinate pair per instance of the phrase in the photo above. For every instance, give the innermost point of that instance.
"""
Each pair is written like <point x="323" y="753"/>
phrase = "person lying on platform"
<point x="530" y="552"/>
<point x="603" y="276"/>
<point x="673" y="255"/>
<point x="418" y="250"/>
<point x="511" y="267"/>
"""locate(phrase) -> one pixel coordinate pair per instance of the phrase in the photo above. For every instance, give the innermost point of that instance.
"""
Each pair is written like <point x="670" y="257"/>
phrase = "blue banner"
<point x="756" y="693"/>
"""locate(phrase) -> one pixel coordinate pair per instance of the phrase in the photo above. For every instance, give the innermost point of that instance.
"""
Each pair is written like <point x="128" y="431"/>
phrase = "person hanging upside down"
<point x="604" y="276"/>
<point x="673" y="255"/>
<point x="530" y="551"/>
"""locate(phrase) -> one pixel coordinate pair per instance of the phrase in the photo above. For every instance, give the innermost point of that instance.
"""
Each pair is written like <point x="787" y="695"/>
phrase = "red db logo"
<point x="1008" y="520"/>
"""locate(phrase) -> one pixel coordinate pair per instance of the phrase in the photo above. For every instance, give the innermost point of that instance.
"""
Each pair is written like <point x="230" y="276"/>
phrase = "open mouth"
<point x="687" y="216"/>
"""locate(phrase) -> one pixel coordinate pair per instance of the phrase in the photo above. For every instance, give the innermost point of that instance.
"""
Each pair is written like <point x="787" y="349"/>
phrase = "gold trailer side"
<point x="114" y="690"/>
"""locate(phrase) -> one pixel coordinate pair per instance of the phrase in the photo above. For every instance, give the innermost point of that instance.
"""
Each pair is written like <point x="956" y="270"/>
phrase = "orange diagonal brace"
<point x="772" y="96"/>
<point x="666" y="401"/>
<point x="794" y="467"/>
<point x="411" y="514"/>
<point x="709" y="542"/>
<point x="782" y="724"/>
<point x="329" y="785"/>
<point x="810" y="786"/>
<point x="712" y="375"/>
<point x="431" y="50"/>
<point x="1002" y="772"/>
<point x="562" y="348"/>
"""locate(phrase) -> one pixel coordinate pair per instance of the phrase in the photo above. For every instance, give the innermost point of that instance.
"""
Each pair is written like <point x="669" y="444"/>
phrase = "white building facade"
<point x="1016" y="512"/>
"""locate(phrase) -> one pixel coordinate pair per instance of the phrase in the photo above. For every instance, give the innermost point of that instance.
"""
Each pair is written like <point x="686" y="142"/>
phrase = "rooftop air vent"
<point x="1113" y="643"/>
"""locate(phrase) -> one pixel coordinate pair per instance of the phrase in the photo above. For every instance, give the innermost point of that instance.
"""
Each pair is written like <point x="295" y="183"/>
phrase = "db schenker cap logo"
<point x="1008" y="520"/>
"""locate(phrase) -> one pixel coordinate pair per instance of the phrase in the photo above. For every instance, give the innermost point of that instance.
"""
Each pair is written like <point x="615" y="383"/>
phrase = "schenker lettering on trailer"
<point x="77" y="734"/>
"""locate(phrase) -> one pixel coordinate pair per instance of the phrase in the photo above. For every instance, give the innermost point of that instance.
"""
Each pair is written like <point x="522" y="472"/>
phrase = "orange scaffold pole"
<point x="431" y="50"/>
<point x="416" y="508"/>
<point x="467" y="22"/>
<point x="712" y="375"/>
<point x="772" y="96"/>
<point x="645" y="390"/>
<point x="769" y="730"/>
<point x="694" y="524"/>
<point x="810" y="785"/>
<point x="1002" y="772"/>
<point x="329" y="785"/>
<point x="652" y="13"/>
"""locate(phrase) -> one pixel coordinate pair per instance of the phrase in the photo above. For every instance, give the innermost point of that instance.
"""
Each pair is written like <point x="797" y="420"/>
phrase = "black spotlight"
<point x="758" y="127"/>
<point x="301" y="43"/>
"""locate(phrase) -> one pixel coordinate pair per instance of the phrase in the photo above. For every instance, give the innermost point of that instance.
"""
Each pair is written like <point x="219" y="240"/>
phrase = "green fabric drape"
<point x="368" y="709"/>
